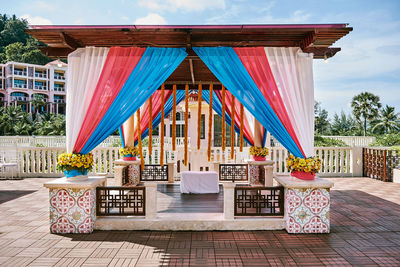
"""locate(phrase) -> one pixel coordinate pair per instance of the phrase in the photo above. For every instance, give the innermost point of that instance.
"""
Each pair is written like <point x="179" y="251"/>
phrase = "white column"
<point x="171" y="172"/>
<point x="151" y="200"/>
<point x="229" y="197"/>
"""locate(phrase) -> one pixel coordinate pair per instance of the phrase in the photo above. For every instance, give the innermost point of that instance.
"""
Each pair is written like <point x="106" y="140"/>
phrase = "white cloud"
<point x="185" y="5"/>
<point x="36" y="20"/>
<point x="151" y="19"/>
<point x="79" y="21"/>
<point x="125" y="18"/>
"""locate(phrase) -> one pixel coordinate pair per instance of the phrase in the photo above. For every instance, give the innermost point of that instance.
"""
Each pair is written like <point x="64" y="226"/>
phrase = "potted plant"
<point x="303" y="168"/>
<point x="128" y="153"/>
<point x="259" y="153"/>
<point x="75" y="164"/>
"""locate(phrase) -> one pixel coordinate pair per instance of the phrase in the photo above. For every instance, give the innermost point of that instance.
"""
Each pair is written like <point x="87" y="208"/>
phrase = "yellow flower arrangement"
<point x="259" y="151"/>
<point x="311" y="164"/>
<point x="128" y="151"/>
<point x="75" y="161"/>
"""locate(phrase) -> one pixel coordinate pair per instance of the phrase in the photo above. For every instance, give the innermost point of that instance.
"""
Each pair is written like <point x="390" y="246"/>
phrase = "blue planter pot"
<point x="73" y="173"/>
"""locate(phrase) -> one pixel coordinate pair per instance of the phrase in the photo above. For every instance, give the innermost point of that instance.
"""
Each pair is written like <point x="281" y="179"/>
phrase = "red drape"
<point x="256" y="63"/>
<point x="119" y="64"/>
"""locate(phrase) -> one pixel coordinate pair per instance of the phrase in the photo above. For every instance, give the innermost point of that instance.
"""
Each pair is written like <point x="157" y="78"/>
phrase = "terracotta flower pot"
<point x="303" y="175"/>
<point x="258" y="158"/>
<point x="129" y="157"/>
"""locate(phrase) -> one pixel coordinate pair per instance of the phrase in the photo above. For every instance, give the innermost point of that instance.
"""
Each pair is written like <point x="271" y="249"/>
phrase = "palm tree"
<point x="49" y="124"/>
<point x="14" y="121"/>
<point x="388" y="121"/>
<point x="365" y="108"/>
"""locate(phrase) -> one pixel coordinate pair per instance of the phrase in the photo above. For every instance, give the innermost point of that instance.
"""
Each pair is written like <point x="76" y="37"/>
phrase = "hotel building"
<point x="24" y="85"/>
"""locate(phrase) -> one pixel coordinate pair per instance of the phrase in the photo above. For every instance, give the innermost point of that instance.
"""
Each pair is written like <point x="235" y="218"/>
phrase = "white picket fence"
<point x="42" y="161"/>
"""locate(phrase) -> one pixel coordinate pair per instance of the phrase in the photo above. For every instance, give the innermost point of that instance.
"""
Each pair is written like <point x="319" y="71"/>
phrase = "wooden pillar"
<point x="162" y="126"/>
<point x="210" y="119"/>
<point x="199" y="116"/>
<point x="232" y="127"/>
<point x="150" y="125"/>
<point x="258" y="131"/>
<point x="186" y="124"/>
<point x="139" y="131"/>
<point x="129" y="130"/>
<point x="174" y="118"/>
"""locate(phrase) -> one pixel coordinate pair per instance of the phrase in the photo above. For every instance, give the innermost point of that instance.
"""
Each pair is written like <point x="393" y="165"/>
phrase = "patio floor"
<point x="365" y="231"/>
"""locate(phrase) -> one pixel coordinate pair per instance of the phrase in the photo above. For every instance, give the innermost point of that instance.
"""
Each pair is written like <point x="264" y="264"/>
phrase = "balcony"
<point x="60" y="101"/>
<point x="59" y="89"/>
<point x="19" y="98"/>
<point x="20" y="72"/>
<point x="59" y="77"/>
<point x="40" y="87"/>
<point x="40" y="75"/>
<point x="20" y="85"/>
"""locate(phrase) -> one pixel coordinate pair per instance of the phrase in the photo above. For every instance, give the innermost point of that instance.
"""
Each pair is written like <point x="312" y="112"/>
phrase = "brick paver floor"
<point x="365" y="218"/>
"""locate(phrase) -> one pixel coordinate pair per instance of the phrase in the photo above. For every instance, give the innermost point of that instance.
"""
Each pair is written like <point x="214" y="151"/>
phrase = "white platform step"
<point x="188" y="222"/>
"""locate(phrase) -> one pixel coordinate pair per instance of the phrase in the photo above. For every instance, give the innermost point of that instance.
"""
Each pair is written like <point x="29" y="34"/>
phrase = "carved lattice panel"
<point x="259" y="201"/>
<point x="154" y="173"/>
<point x="233" y="172"/>
<point x="120" y="201"/>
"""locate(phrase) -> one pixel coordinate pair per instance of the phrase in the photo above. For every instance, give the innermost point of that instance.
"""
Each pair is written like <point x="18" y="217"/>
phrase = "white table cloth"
<point x="199" y="182"/>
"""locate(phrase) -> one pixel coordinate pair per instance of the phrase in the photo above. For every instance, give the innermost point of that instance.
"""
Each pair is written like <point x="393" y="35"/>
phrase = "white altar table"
<point x="199" y="182"/>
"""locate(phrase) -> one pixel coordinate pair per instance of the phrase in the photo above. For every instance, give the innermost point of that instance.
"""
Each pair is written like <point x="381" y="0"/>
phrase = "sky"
<point x="369" y="60"/>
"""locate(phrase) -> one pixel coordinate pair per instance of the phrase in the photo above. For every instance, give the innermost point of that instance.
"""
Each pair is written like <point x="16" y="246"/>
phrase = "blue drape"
<point x="180" y="95"/>
<point x="227" y="67"/>
<point x="217" y="106"/>
<point x="155" y="66"/>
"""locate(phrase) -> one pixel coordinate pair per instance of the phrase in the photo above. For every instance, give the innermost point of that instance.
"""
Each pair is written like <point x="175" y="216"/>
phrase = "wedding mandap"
<point x="130" y="78"/>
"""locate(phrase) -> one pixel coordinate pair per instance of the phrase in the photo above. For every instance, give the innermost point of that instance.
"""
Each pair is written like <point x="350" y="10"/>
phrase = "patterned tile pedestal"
<point x="73" y="204"/>
<point x="261" y="172"/>
<point x="126" y="172"/>
<point x="307" y="205"/>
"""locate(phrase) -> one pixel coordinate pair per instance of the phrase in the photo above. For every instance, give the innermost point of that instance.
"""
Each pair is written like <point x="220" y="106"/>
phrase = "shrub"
<point x="320" y="141"/>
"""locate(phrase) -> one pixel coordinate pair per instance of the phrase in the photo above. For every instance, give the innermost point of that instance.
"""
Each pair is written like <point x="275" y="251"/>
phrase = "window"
<point x="218" y="132"/>
<point x="203" y="126"/>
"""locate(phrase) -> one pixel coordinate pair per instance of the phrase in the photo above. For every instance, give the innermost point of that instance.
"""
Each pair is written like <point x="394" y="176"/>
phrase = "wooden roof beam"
<point x="69" y="41"/>
<point x="308" y="40"/>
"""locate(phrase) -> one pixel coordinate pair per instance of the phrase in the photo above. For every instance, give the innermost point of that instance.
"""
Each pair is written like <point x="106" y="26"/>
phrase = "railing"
<point x="121" y="201"/>
<point x="20" y="72"/>
<point x="233" y="172"/>
<point x="259" y="201"/>
<point x="17" y="85"/>
<point x="59" y="77"/>
<point x="40" y="75"/>
<point x="40" y="87"/>
<point x="378" y="163"/>
<point x="41" y="161"/>
<point x="59" y="89"/>
<point x="154" y="173"/>
<point x="355" y="141"/>
<point x="61" y="101"/>
<point x="336" y="161"/>
<point x="19" y="98"/>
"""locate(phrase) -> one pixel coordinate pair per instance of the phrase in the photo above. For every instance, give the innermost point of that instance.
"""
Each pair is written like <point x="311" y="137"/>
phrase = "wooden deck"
<point x="170" y="200"/>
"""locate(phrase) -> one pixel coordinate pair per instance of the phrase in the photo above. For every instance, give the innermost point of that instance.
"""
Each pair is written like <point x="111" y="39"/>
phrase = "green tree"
<point x="344" y="125"/>
<point x="388" y="121"/>
<point x="16" y="45"/>
<point x="14" y="121"/>
<point x="321" y="124"/>
<point x="49" y="124"/>
<point x="365" y="108"/>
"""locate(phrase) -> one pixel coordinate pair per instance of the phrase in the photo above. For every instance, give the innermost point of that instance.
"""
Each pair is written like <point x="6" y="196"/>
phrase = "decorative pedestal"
<point x="261" y="172"/>
<point x="73" y="204"/>
<point x="132" y="173"/>
<point x="307" y="204"/>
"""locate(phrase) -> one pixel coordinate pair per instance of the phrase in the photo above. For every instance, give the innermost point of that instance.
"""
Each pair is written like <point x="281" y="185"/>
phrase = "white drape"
<point x="84" y="69"/>
<point x="293" y="73"/>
